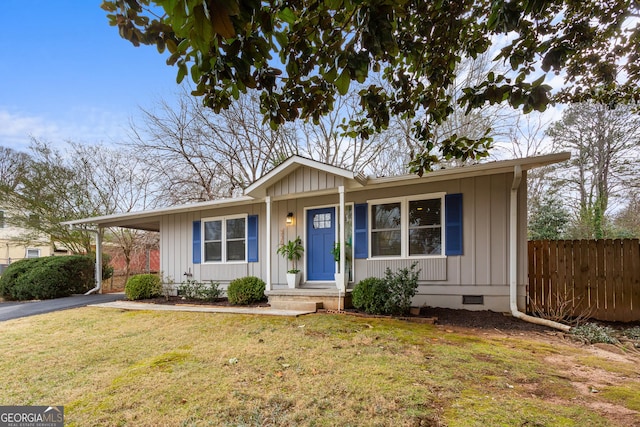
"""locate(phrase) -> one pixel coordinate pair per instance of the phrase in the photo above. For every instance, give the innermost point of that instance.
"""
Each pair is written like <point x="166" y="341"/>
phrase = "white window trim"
<point x="223" y="249"/>
<point x="404" y="225"/>
<point x="26" y="253"/>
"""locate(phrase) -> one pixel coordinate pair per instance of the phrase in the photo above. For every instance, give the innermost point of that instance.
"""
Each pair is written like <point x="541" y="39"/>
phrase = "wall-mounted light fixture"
<point x="289" y="220"/>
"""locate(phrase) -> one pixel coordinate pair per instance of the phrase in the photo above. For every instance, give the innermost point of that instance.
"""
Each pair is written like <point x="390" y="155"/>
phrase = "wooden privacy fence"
<point x="597" y="277"/>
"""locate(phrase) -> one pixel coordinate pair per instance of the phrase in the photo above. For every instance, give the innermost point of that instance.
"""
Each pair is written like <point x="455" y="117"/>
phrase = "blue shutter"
<point x="453" y="223"/>
<point x="197" y="246"/>
<point x="252" y="238"/>
<point x="360" y="231"/>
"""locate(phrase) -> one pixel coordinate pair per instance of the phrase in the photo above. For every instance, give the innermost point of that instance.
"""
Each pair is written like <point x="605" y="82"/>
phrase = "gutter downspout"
<point x="513" y="259"/>
<point x="98" y="286"/>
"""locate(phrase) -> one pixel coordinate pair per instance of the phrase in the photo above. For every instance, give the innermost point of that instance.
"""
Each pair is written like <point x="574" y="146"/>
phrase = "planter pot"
<point x="293" y="279"/>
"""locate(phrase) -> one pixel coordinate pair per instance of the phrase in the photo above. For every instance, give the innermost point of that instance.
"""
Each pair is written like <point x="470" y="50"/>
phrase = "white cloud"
<point x="16" y="129"/>
<point x="88" y="126"/>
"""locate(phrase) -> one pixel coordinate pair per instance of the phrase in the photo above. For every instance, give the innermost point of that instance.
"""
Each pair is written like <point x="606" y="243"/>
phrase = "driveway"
<point x="14" y="310"/>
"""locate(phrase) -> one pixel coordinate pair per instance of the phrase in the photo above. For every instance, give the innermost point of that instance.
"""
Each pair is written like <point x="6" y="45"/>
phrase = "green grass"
<point x="111" y="367"/>
<point x="627" y="394"/>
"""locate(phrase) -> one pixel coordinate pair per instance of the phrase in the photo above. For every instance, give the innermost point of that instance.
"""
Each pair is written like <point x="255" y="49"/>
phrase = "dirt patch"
<point x="589" y="381"/>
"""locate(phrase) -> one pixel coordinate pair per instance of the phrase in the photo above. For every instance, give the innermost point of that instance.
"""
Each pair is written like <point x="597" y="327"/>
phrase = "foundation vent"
<point x="473" y="299"/>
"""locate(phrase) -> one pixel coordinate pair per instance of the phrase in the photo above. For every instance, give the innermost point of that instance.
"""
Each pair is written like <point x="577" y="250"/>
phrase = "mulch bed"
<point x="441" y="316"/>
<point x="482" y="320"/>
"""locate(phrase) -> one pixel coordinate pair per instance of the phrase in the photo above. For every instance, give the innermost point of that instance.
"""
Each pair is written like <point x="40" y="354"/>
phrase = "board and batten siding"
<point x="305" y="179"/>
<point x="176" y="249"/>
<point x="483" y="269"/>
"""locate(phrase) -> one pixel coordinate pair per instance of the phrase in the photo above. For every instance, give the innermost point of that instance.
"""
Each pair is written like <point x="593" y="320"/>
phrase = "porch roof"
<point x="255" y="193"/>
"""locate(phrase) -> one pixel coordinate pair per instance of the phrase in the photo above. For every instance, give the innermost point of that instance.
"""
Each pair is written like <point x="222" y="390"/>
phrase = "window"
<point x="1" y="219"/>
<point x="386" y="233"/>
<point x="425" y="230"/>
<point x="408" y="227"/>
<point x="213" y="241"/>
<point x="225" y="239"/>
<point x="236" y="243"/>
<point x="322" y="220"/>
<point x="33" y="253"/>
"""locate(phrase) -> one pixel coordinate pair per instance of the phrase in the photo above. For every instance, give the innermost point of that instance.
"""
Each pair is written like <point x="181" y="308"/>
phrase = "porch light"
<point x="289" y="220"/>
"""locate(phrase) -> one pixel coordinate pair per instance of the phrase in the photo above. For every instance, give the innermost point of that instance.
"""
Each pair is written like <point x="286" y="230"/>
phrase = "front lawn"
<point x="113" y="367"/>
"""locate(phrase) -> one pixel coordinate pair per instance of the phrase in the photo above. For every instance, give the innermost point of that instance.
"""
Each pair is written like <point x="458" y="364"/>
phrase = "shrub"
<point x="48" y="277"/>
<point x="632" y="333"/>
<point x="561" y="307"/>
<point x="107" y="268"/>
<point x="11" y="274"/>
<point x="80" y="271"/>
<point x="198" y="290"/>
<point x="391" y="295"/>
<point x="143" y="286"/>
<point x="246" y="290"/>
<point x="370" y="295"/>
<point x="403" y="286"/>
<point x="591" y="333"/>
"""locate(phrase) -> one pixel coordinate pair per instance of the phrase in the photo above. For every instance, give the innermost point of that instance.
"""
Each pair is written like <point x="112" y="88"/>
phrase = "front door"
<point x="321" y="234"/>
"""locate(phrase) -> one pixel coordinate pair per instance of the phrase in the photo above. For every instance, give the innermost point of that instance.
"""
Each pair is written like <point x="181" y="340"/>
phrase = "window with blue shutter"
<point x="197" y="243"/>
<point x="453" y="223"/>
<point x="252" y="238"/>
<point x="360" y="231"/>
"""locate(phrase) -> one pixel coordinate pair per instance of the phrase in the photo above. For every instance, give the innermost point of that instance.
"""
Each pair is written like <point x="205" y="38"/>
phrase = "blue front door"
<point x="321" y="233"/>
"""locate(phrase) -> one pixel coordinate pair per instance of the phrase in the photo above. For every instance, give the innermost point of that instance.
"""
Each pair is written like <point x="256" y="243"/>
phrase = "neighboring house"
<point x="465" y="228"/>
<point x="13" y="245"/>
<point x="142" y="260"/>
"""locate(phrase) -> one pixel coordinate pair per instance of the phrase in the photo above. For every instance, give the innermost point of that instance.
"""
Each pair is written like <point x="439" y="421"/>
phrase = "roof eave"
<point x="500" y="166"/>
<point x="122" y="219"/>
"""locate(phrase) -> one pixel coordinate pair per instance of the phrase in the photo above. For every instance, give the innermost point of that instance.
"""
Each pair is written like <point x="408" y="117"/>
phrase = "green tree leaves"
<point x="302" y="54"/>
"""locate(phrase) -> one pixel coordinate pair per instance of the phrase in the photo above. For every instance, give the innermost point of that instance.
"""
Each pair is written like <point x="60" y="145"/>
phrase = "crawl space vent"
<point x="473" y="299"/>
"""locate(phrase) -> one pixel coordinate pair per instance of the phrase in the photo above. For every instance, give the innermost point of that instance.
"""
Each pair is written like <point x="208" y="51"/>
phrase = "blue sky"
<point x="67" y="75"/>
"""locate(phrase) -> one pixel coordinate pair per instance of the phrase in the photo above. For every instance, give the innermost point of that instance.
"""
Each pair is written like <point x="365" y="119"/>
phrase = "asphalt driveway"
<point x="14" y="310"/>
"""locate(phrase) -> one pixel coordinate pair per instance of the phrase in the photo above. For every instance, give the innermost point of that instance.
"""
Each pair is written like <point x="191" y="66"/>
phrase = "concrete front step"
<point x="329" y="299"/>
<point x="287" y="304"/>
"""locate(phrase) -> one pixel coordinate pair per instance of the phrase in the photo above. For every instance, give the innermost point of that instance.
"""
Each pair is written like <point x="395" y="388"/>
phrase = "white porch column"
<point x="267" y="255"/>
<point x="99" y="259"/>
<point x="98" y="266"/>
<point x="341" y="284"/>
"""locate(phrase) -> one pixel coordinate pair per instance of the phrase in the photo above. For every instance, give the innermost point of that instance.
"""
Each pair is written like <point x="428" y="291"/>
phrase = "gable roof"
<point x="259" y="188"/>
<point x="150" y="220"/>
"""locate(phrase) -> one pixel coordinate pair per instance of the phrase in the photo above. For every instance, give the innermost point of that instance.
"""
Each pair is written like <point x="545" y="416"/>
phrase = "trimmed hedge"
<point x="143" y="286"/>
<point x="47" y="277"/>
<point x="246" y="290"/>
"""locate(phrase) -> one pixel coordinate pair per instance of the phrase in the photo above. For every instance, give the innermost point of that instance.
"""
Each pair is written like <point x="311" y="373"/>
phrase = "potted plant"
<point x="292" y="251"/>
